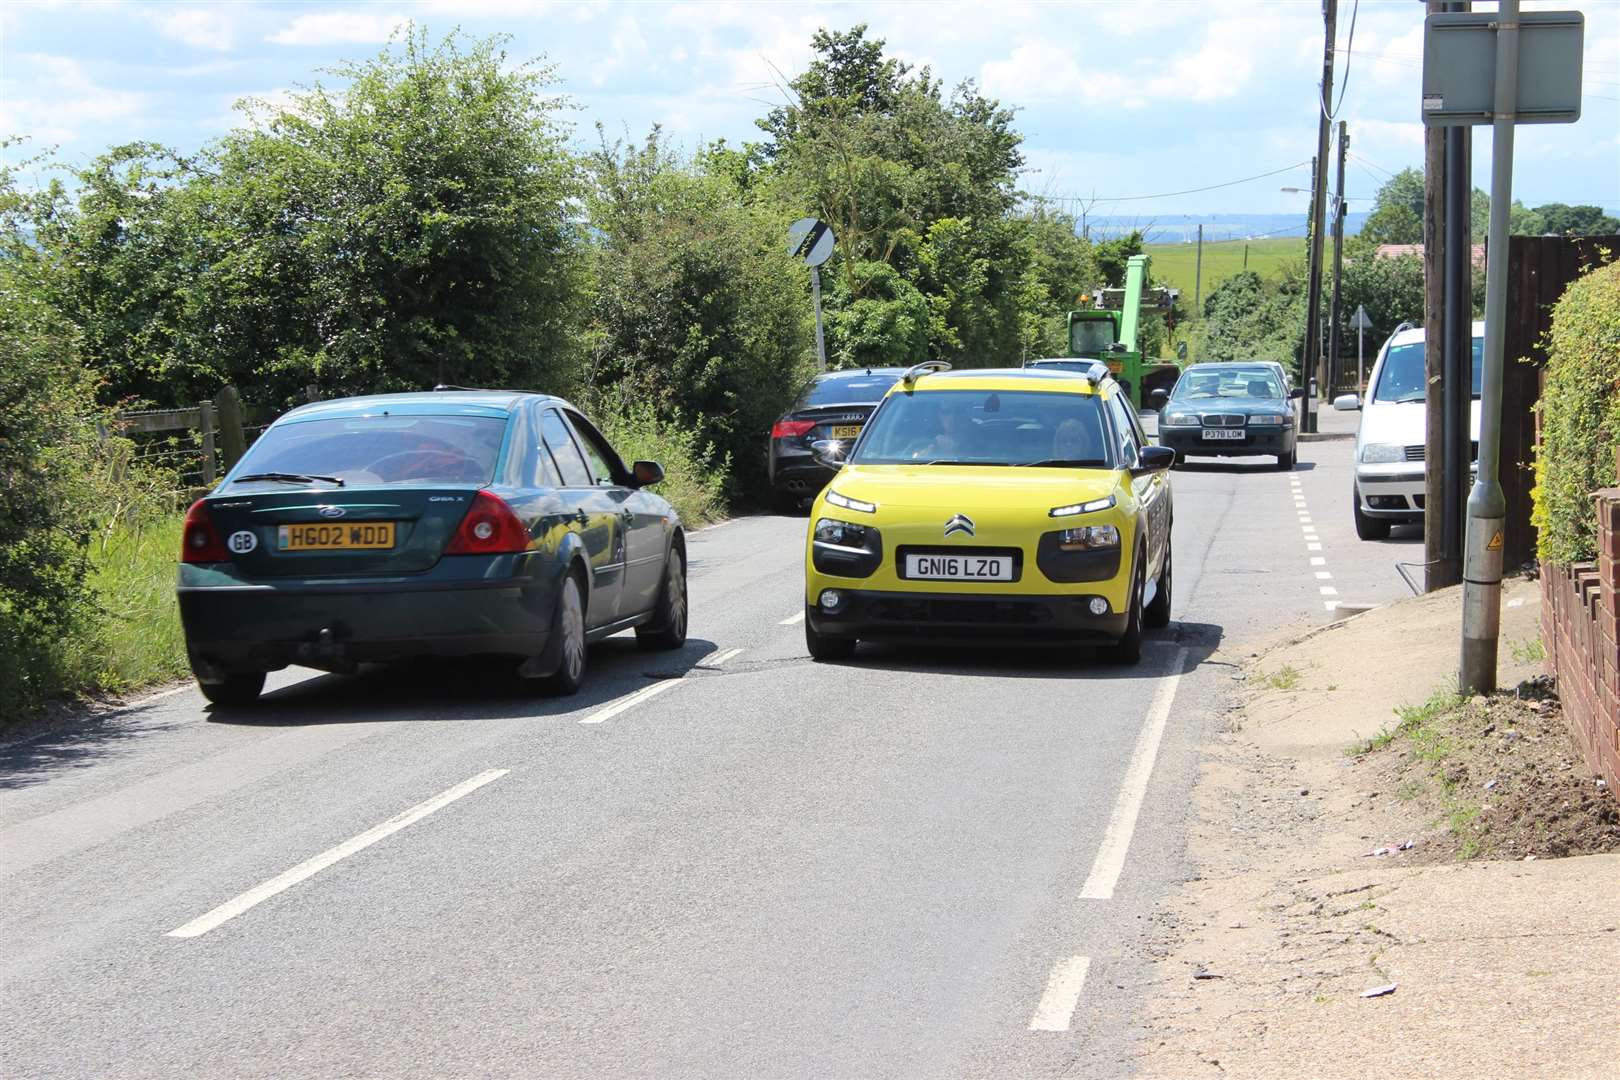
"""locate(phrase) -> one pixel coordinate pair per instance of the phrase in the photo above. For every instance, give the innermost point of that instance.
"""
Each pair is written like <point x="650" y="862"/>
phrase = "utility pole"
<point x="1439" y="570"/>
<point x="1338" y="266"/>
<point x="1245" y="255"/>
<point x="1198" y="274"/>
<point x="1311" y="358"/>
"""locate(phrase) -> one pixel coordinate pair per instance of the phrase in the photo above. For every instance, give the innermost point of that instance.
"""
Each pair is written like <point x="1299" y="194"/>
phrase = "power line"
<point x="1168" y="194"/>
<point x="1345" y="85"/>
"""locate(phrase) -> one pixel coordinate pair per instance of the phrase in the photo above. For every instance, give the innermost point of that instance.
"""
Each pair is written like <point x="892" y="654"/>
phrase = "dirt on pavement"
<point x="1500" y="965"/>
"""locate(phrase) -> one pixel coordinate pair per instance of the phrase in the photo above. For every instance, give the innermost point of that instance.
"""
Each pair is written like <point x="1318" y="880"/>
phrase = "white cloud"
<point x="1044" y="71"/>
<point x="52" y="99"/>
<point x="486" y="9"/>
<point x="200" y="28"/>
<point x="340" y="27"/>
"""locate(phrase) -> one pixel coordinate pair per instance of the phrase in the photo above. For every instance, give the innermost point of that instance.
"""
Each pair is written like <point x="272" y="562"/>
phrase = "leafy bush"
<point x="135" y="638"/>
<point x="1580" y="416"/>
<point x="694" y="486"/>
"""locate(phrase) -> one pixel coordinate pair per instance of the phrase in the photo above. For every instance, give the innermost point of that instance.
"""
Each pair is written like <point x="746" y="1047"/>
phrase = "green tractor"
<point x="1107" y="331"/>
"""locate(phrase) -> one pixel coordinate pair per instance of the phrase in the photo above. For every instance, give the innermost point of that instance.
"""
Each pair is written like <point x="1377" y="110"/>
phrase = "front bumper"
<point x="240" y="627"/>
<point x="1256" y="440"/>
<point x="877" y="615"/>
<point x="1391" y="491"/>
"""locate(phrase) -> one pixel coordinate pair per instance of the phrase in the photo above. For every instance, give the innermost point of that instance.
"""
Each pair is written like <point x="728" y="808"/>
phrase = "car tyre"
<point x="569" y="624"/>
<point x="667" y="631"/>
<point x="1181" y="459"/>
<point x="1367" y="528"/>
<point x="234" y="691"/>
<point x="1157" y="615"/>
<point x="1128" y="649"/>
<point x="825" y="647"/>
<point x="1285" y="462"/>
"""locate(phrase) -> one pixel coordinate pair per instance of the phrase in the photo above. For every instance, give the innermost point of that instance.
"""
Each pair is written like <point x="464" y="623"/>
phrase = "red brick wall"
<point x="1580" y="626"/>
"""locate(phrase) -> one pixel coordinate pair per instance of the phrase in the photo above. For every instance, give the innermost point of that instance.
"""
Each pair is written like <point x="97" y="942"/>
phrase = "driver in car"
<point x="947" y="441"/>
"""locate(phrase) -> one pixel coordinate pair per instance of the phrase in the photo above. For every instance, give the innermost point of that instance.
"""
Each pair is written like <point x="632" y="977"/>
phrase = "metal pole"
<point x="1457" y="360"/>
<point x="1312" y="357"/>
<point x="821" y="344"/>
<point x="1338" y="269"/>
<point x="1198" y="275"/>
<point x="1487" y="508"/>
<point x="1361" y="371"/>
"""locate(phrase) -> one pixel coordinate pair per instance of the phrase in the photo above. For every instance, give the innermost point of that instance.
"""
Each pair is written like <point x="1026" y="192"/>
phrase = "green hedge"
<point x="1580" y="416"/>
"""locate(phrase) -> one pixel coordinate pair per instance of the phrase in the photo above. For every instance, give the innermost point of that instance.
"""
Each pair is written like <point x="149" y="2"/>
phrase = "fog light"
<point x="831" y="599"/>
<point x="1099" y="606"/>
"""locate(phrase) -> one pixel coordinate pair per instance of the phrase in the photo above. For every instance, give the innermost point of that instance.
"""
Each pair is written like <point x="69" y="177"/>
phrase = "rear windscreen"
<point x="382" y="449"/>
<point x="846" y="390"/>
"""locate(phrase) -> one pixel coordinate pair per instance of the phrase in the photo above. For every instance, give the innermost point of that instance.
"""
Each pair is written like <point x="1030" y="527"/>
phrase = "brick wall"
<point x="1580" y="626"/>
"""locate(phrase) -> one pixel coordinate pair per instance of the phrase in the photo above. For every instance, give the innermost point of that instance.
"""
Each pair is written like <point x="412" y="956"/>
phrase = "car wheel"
<point x="824" y="647"/>
<point x="569" y="625"/>
<point x="1157" y="615"/>
<point x="668" y="628"/>
<point x="1367" y="528"/>
<point x="1285" y="461"/>
<point x="1181" y="459"/>
<point x="234" y="690"/>
<point x="1128" y="649"/>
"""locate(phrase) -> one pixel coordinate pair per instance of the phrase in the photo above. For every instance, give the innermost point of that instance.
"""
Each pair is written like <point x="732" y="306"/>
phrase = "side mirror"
<point x="1296" y="393"/>
<point x="647" y="473"/>
<point x="1347" y="403"/>
<point x="829" y="452"/>
<point x="1152" y="459"/>
<point x="1159" y="398"/>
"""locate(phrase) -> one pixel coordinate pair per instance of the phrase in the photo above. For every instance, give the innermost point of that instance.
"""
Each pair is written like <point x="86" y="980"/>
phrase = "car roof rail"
<point x="1096" y="373"/>
<point x="927" y="367"/>
<point x="450" y="386"/>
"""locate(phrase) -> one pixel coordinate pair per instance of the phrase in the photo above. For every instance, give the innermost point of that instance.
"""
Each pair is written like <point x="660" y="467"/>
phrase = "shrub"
<point x="1580" y="416"/>
<point x="694" y="487"/>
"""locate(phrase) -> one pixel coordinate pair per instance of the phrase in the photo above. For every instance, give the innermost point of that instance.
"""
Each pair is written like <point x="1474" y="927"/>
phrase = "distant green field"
<point x="1175" y="263"/>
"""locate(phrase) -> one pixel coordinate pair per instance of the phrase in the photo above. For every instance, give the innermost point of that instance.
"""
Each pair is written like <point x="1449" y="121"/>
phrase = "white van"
<point x="1390" y="443"/>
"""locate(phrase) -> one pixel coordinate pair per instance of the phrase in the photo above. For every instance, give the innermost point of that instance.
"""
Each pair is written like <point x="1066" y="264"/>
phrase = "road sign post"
<point x="1361" y="324"/>
<point x="811" y="242"/>
<point x="1502" y="69"/>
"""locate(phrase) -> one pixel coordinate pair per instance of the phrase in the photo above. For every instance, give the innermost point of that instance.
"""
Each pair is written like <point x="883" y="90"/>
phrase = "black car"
<point x="1229" y="410"/>
<point x="831" y="407"/>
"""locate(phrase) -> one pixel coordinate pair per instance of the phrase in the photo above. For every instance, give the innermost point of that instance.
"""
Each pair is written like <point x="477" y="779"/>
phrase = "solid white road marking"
<point x="1105" y="870"/>
<point x="310" y="867"/>
<point x="796" y="617"/>
<point x="632" y="701"/>
<point x="1056" y="1009"/>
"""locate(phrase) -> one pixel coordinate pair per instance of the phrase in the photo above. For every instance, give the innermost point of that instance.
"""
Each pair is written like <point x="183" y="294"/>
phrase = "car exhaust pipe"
<point x="326" y="653"/>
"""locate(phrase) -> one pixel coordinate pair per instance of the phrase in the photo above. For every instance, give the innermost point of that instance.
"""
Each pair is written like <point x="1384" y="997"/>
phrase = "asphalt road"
<point x="716" y="863"/>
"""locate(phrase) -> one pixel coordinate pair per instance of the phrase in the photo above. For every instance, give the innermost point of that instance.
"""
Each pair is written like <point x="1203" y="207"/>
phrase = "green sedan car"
<point x="451" y="523"/>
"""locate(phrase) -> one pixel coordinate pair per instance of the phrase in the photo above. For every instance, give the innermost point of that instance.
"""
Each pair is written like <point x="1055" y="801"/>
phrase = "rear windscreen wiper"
<point x="288" y="478"/>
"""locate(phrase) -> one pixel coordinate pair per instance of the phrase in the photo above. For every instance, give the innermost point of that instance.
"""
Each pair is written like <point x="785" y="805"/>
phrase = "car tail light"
<point x="791" y="429"/>
<point x="490" y="528"/>
<point x="200" y="542"/>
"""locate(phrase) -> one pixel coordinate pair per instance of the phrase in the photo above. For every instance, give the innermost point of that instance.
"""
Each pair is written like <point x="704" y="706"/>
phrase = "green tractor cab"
<point x="1107" y="331"/>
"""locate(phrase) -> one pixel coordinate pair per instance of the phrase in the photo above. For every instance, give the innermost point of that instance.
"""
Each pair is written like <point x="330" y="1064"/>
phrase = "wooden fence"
<point x="202" y="442"/>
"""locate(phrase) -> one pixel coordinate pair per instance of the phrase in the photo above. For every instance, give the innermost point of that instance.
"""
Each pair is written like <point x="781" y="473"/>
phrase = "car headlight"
<point x="1179" y="419"/>
<point x="1379" y="453"/>
<point x="1089" y="538"/>
<point x="840" y="533"/>
<point x="1082" y="508"/>
<point x="848" y="503"/>
<point x="1269" y="418"/>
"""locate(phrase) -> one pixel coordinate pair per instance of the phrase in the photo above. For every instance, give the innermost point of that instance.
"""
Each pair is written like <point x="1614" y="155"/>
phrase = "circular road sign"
<point x="810" y="240"/>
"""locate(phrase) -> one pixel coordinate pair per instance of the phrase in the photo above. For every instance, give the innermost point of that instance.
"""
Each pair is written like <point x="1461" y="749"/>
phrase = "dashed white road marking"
<point x="310" y="867"/>
<point x="1313" y="547"/>
<point x="646" y="693"/>
<point x="796" y="617"/>
<point x="1324" y="575"/>
<point x="718" y="658"/>
<point x="1056" y="1009"/>
<point x="1317" y="560"/>
<point x="1110" y="861"/>
<point x="1328" y="590"/>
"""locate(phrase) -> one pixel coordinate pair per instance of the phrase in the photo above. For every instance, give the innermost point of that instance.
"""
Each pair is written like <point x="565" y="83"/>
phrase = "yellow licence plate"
<point x="846" y="431"/>
<point x="354" y="536"/>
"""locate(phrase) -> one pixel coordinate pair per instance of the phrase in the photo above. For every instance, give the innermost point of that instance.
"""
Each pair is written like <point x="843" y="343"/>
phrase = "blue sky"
<point x="1115" y="98"/>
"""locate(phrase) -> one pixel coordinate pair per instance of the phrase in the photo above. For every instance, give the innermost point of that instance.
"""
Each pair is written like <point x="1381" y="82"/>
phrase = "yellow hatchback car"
<point x="1018" y="505"/>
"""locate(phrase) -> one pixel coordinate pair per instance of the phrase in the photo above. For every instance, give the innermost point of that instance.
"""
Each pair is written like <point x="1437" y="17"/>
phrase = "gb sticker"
<point x="242" y="542"/>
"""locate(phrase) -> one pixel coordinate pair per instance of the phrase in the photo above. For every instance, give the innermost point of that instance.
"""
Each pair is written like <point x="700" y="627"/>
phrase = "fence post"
<point x="206" y="422"/>
<point x="233" y="443"/>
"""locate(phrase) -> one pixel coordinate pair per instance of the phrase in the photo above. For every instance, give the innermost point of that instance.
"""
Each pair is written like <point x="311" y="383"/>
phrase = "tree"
<point x="1397" y="214"/>
<point x="1247" y="317"/>
<point x="1563" y="220"/>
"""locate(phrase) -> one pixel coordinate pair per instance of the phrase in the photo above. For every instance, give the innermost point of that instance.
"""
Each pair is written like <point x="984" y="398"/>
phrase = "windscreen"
<point x="846" y="390"/>
<point x="1214" y="384"/>
<point x="978" y="427"/>
<point x="1090" y="337"/>
<point x="1402" y="376"/>
<point x="382" y="449"/>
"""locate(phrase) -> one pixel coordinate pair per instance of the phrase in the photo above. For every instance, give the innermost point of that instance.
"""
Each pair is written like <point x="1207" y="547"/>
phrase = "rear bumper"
<point x="266" y="627"/>
<point x="798" y="474"/>
<point x="1256" y="440"/>
<point x="901" y="616"/>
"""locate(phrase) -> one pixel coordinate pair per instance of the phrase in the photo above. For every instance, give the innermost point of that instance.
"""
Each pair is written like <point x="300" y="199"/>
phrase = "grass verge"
<point x="136" y="640"/>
